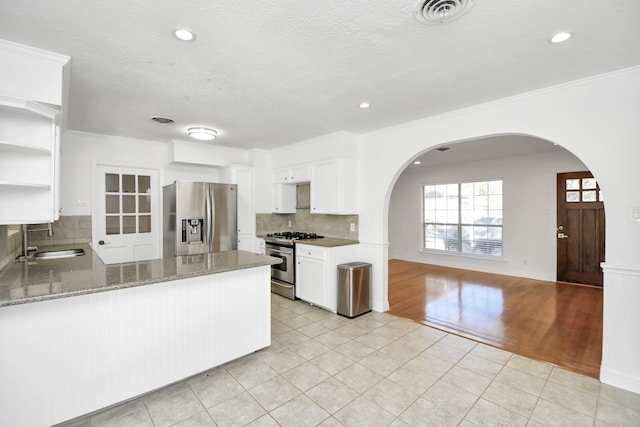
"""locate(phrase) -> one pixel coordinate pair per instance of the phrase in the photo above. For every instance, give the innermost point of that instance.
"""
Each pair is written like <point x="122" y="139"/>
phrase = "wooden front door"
<point x="580" y="229"/>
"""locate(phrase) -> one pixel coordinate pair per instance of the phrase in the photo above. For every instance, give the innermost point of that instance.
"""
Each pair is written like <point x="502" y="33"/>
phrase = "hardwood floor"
<point x="556" y="322"/>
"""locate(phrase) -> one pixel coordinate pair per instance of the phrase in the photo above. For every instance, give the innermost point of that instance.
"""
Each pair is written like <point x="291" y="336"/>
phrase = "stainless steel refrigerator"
<point x="199" y="217"/>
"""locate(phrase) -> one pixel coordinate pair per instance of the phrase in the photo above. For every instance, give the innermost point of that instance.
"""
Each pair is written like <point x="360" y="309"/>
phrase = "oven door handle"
<point x="288" y="251"/>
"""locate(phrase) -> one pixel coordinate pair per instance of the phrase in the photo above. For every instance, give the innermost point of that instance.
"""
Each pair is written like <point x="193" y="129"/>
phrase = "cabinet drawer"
<point x="309" y="251"/>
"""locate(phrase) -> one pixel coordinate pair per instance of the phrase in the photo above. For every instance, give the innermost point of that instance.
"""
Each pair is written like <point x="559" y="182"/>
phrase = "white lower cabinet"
<point x="316" y="273"/>
<point x="260" y="246"/>
<point x="246" y="242"/>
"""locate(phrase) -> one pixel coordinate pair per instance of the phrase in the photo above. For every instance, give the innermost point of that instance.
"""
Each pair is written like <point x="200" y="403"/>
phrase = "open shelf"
<point x="23" y="148"/>
<point x="34" y="185"/>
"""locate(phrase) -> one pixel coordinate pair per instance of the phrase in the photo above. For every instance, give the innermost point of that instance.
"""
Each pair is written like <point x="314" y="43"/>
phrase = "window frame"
<point x="487" y="247"/>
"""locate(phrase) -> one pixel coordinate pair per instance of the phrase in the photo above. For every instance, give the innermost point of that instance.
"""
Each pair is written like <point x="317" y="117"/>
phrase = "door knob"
<point x="562" y="236"/>
<point x="102" y="242"/>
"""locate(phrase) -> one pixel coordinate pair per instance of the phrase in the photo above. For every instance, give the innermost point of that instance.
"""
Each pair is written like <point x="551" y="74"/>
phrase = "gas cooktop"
<point x="290" y="236"/>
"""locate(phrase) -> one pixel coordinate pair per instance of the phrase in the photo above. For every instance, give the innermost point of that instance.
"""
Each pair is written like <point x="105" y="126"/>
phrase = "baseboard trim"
<point x="620" y="380"/>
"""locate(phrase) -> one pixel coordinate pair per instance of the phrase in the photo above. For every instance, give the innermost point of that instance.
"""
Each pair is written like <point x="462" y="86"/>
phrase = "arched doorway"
<point x="488" y="308"/>
<point x="594" y="119"/>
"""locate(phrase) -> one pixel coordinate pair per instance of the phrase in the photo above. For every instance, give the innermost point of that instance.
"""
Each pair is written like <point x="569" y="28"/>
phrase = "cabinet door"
<point x="284" y="198"/>
<point x="281" y="176"/>
<point x="325" y="188"/>
<point x="300" y="174"/>
<point x="246" y="242"/>
<point x="246" y="217"/>
<point x="310" y="280"/>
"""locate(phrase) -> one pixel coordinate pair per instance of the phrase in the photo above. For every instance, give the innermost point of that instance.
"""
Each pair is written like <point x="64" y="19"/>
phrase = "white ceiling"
<point x="487" y="148"/>
<point x="277" y="72"/>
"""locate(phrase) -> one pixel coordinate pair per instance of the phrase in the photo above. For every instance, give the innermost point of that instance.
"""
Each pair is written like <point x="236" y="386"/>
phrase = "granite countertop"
<point x="328" y="242"/>
<point x="37" y="279"/>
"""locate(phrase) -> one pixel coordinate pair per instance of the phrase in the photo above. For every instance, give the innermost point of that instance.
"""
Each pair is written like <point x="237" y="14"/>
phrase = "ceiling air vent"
<point x="441" y="11"/>
<point x="162" y="120"/>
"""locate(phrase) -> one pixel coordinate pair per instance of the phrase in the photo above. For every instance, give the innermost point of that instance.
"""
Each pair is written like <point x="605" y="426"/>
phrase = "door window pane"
<point x="144" y="184"/>
<point x="589" y="196"/>
<point x="144" y="224"/>
<point x="112" y="203"/>
<point x="573" y="196"/>
<point x="128" y="183"/>
<point x="112" y="224"/>
<point x="129" y="204"/>
<point x="144" y="204"/>
<point x="112" y="183"/>
<point x="573" y="184"/>
<point x="128" y="224"/>
<point x="588" y="183"/>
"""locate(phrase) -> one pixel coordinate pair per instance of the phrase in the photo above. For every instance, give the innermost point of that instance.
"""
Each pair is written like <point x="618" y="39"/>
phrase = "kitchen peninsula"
<point x="77" y="335"/>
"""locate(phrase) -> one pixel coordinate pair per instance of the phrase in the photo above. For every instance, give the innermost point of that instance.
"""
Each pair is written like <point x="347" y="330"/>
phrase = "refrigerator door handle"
<point x="210" y="219"/>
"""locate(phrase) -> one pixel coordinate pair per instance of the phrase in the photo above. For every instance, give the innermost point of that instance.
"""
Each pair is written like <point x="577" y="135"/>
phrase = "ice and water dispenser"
<point x="192" y="230"/>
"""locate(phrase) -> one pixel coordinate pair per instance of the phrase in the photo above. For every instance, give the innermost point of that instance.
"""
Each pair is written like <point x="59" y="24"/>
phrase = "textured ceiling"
<point x="273" y="73"/>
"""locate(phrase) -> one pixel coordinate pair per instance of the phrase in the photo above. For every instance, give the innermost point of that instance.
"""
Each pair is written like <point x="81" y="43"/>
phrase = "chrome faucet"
<point x="25" y="239"/>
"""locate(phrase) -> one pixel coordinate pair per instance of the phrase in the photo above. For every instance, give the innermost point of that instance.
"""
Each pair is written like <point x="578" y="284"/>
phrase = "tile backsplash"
<point x="10" y="245"/>
<point x="325" y="225"/>
<point x="71" y="229"/>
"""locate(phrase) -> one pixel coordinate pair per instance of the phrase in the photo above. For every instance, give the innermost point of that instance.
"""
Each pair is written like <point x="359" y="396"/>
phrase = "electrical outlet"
<point x="352" y="227"/>
<point x="289" y="222"/>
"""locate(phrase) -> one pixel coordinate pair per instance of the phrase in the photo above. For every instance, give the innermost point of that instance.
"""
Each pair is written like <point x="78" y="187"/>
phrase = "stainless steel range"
<point x="282" y="245"/>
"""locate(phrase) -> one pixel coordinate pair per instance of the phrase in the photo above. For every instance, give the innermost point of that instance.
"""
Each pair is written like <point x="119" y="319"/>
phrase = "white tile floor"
<point x="375" y="370"/>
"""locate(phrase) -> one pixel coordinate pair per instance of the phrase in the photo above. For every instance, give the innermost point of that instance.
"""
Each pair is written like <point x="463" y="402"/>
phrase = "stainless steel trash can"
<point x="354" y="289"/>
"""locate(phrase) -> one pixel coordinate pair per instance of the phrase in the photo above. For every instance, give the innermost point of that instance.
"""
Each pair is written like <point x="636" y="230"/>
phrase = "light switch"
<point x="635" y="214"/>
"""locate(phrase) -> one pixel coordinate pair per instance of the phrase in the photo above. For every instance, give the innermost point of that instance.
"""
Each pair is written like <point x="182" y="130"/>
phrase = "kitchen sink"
<point x="62" y="253"/>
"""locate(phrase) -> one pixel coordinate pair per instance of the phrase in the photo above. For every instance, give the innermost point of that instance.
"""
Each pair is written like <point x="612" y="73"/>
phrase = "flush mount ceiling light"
<point x="441" y="11"/>
<point x="202" y="134"/>
<point x="184" y="34"/>
<point x="561" y="37"/>
<point x="417" y="162"/>
<point x="365" y="105"/>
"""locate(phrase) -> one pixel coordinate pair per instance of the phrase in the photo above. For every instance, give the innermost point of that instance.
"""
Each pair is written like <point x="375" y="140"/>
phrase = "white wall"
<point x="529" y="207"/>
<point x="80" y="150"/>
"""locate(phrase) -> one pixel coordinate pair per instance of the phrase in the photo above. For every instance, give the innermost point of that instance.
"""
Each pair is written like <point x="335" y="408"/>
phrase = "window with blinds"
<point x="464" y="217"/>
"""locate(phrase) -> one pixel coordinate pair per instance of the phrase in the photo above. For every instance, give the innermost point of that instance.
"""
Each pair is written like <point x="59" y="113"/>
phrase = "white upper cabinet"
<point x="291" y="175"/>
<point x="33" y="84"/>
<point x="284" y="198"/>
<point x="334" y="187"/>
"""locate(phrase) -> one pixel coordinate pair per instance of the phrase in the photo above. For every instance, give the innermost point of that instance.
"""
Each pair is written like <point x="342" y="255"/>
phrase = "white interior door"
<point x="126" y="213"/>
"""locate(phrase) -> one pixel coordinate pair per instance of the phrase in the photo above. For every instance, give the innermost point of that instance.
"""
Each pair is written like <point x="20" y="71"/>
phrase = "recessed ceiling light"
<point x="561" y="37"/>
<point x="365" y="105"/>
<point x="417" y="162"/>
<point x="203" y="134"/>
<point x="184" y="34"/>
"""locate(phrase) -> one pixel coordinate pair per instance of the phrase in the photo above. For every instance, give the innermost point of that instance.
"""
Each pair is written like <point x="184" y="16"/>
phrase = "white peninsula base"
<point x="63" y="358"/>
